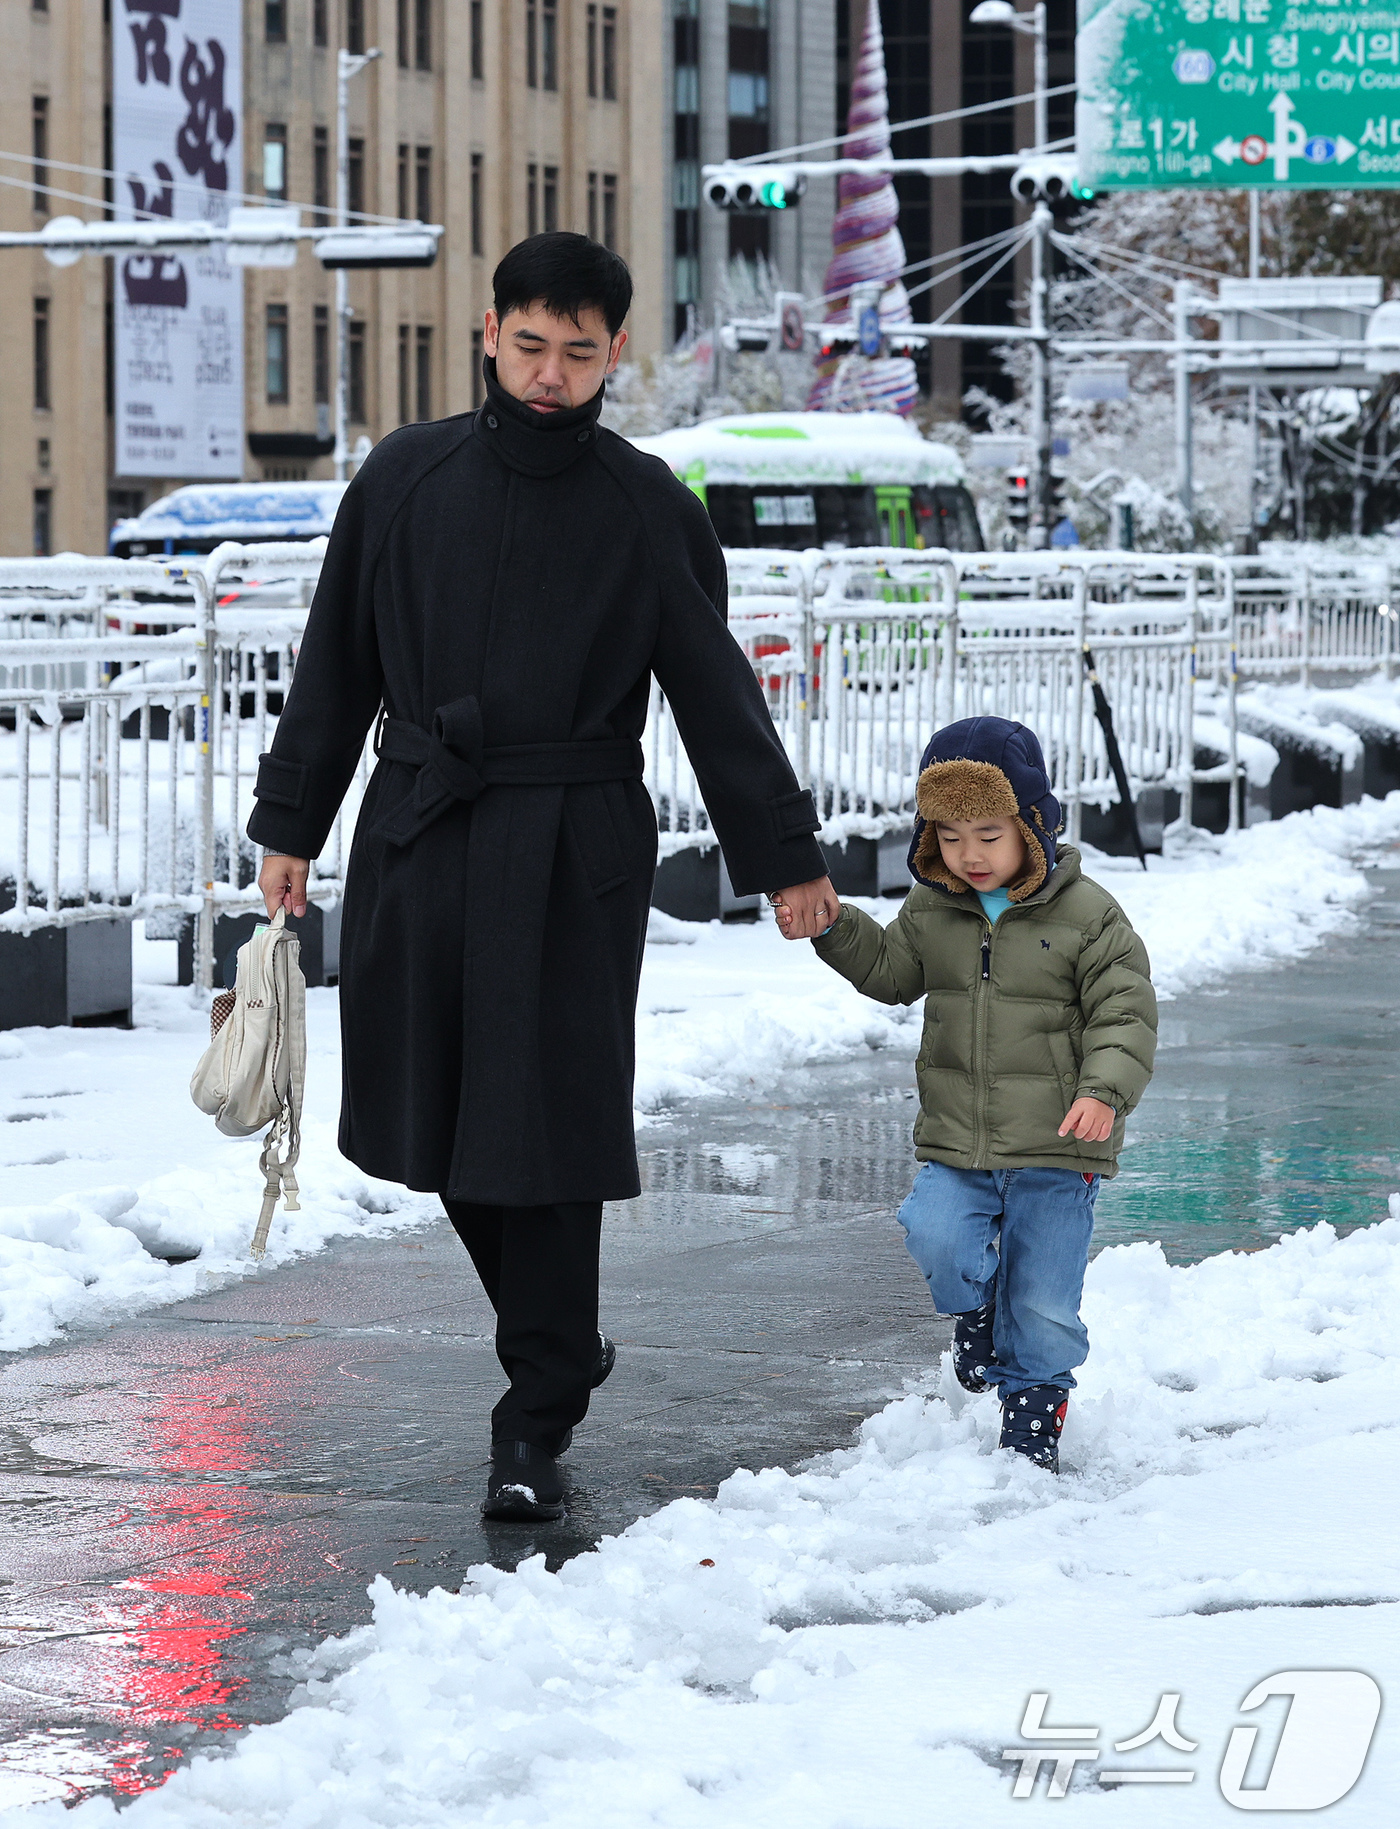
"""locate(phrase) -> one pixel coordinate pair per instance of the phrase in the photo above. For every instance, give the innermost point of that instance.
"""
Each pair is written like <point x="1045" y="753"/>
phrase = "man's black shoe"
<point x="524" y="1487"/>
<point x="1031" y="1422"/>
<point x="606" y="1360"/>
<point x="973" y="1356"/>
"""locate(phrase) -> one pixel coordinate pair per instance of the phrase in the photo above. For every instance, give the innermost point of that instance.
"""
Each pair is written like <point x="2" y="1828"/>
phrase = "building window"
<point x="551" y="199"/>
<point x="593" y="51"/>
<point x="422" y="35"/>
<point x="43" y="523"/>
<point x="405" y="347"/>
<point x="532" y="199"/>
<point x="355" y="26"/>
<point x="275" y="159"/>
<point x="321" y="354"/>
<point x="356" y="178"/>
<point x="477" y="356"/>
<point x="275" y="21"/>
<point x="403" y="33"/>
<point x="423" y="371"/>
<point x="109" y="358"/>
<point x="41" y="154"/>
<point x="549" y="45"/>
<point x="43" y="396"/>
<point x="685" y="163"/>
<point x="39" y="6"/>
<point x="321" y="170"/>
<point x="320" y="25"/>
<point x="532" y="53"/>
<point x="477" y="230"/>
<point x="423" y="183"/>
<point x="609" y="59"/>
<point x="478" y="43"/>
<point x="355" y="351"/>
<point x="275" y="347"/>
<point x="403" y="180"/>
<point x="593" y="206"/>
<point x="609" y="209"/>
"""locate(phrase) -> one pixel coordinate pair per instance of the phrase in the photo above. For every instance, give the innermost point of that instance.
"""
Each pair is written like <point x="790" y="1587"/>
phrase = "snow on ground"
<point x="104" y="1155"/>
<point x="854" y="1645"/>
<point x="110" y="1171"/>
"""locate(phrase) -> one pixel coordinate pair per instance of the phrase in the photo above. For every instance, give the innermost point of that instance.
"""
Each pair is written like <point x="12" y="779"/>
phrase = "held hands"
<point x="283" y="883"/>
<point x="807" y="910"/>
<point x="1090" y="1120"/>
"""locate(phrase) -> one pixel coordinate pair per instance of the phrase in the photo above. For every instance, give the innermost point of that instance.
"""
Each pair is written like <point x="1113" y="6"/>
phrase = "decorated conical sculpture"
<point x="868" y="248"/>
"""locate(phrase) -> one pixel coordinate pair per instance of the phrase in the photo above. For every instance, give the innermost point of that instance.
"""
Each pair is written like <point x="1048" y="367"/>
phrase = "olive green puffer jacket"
<point x="1053" y="1004"/>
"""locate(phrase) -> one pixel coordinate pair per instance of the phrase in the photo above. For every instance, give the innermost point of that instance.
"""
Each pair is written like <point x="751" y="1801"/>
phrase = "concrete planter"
<point x="78" y="974"/>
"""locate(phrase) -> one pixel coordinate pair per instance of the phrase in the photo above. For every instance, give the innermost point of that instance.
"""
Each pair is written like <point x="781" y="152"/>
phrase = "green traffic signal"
<point x="773" y="195"/>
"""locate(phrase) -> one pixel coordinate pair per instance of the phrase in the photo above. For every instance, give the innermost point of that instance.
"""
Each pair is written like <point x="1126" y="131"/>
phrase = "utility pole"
<point x="1041" y="426"/>
<point x="1183" y="299"/>
<point x="1253" y="391"/>
<point x="347" y="65"/>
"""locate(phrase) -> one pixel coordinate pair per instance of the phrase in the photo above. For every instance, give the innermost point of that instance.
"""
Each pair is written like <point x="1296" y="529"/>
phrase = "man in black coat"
<point x="504" y="584"/>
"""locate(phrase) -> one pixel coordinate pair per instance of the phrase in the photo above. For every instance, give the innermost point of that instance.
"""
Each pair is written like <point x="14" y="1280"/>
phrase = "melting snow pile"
<point x="855" y="1645"/>
<point x="120" y="1195"/>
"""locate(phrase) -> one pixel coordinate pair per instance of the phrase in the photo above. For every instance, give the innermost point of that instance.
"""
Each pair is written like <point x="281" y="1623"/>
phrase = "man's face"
<point x="551" y="362"/>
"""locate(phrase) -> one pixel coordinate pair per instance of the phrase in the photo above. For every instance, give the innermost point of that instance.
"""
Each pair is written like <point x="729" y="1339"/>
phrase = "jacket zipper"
<point x="979" y="1017"/>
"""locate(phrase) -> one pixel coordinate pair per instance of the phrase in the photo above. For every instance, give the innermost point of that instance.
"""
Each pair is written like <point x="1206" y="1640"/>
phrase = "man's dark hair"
<point x="564" y="272"/>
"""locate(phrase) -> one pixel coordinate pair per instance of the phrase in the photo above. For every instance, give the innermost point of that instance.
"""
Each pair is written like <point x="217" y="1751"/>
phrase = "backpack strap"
<point x="282" y="1145"/>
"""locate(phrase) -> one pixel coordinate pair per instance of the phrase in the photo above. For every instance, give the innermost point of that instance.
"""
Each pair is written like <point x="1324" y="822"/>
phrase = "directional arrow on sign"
<point x="1344" y="148"/>
<point x="1289" y="136"/>
<point x="1227" y="151"/>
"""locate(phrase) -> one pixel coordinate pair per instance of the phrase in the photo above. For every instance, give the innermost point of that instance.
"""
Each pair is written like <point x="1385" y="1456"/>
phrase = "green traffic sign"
<point x="1238" y="92"/>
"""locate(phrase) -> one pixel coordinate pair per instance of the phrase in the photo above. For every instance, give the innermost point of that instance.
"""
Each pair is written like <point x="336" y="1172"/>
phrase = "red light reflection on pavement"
<point x="154" y="1649"/>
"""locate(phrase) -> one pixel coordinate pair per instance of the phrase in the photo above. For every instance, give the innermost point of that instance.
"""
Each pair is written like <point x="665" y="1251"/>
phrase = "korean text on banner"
<point x="177" y="103"/>
<point x="1239" y="92"/>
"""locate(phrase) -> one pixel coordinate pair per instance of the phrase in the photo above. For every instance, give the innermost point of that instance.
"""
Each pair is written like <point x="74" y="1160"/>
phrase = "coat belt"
<point x="455" y="763"/>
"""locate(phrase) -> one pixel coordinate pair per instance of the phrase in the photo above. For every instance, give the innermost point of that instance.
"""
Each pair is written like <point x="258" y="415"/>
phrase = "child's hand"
<point x="807" y="911"/>
<point x="1090" y="1120"/>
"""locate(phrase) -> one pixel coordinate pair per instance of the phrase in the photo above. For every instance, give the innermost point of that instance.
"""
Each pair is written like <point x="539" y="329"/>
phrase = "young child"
<point x="1040" y="1025"/>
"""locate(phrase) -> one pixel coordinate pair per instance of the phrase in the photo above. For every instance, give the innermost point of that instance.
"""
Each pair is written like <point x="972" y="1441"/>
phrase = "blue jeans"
<point x="1021" y="1234"/>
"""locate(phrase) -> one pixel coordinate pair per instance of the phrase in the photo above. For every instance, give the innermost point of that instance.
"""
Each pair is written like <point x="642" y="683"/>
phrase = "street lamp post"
<point x="348" y="64"/>
<point x="1033" y="24"/>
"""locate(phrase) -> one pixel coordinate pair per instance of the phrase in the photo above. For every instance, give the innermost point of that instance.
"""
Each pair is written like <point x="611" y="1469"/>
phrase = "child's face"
<point x="988" y="853"/>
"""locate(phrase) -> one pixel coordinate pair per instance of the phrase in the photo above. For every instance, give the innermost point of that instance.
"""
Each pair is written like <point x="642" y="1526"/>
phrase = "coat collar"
<point x="535" y="444"/>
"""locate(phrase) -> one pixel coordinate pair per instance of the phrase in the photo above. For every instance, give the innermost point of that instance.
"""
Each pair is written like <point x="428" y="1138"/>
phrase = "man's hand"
<point x="283" y="883"/>
<point x="807" y="910"/>
<point x="1090" y="1120"/>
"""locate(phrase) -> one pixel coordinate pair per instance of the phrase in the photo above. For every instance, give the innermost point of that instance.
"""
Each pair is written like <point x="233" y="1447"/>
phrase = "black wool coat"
<point x="498" y="582"/>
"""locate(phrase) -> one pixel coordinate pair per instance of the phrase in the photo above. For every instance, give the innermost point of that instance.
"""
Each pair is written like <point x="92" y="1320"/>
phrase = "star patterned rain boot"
<point x="973" y="1356"/>
<point x="1031" y="1422"/>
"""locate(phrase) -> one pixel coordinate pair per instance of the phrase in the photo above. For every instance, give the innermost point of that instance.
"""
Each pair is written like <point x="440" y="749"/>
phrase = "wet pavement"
<point x="191" y="1499"/>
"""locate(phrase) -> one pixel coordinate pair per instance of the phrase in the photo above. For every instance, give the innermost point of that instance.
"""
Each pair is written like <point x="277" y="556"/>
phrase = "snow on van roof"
<point x="805" y="448"/>
<point x="232" y="511"/>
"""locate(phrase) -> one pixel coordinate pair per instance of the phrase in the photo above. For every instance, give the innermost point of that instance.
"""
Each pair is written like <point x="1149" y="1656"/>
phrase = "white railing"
<point x="137" y="695"/>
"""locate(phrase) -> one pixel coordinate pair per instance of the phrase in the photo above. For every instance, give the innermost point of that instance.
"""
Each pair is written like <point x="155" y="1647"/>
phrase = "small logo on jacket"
<point x="1046" y="945"/>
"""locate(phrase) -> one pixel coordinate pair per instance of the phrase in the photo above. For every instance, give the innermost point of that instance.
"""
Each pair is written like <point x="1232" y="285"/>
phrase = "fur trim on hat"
<point x="972" y="790"/>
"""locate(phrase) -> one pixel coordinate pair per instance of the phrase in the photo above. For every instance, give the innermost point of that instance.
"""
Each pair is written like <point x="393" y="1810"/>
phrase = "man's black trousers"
<point x="539" y="1266"/>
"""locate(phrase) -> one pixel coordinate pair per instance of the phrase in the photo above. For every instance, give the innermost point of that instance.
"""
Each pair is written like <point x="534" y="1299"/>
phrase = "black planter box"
<point x="231" y="932"/>
<point x="695" y="886"/>
<point x="55" y="976"/>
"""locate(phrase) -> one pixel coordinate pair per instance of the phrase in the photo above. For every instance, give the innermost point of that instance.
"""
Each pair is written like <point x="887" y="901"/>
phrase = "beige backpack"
<point x="253" y="1071"/>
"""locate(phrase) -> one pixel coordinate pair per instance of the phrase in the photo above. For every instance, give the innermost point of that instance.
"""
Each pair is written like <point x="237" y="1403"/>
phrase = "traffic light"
<point x="1050" y="179"/>
<point x="1018" y="499"/>
<point x="752" y="190"/>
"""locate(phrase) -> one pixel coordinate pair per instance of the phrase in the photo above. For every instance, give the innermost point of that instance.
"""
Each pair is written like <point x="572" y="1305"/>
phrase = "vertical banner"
<point x="177" y="106"/>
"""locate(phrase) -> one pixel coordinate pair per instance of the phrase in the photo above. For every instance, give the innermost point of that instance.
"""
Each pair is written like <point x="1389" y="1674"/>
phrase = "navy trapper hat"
<point x="985" y="768"/>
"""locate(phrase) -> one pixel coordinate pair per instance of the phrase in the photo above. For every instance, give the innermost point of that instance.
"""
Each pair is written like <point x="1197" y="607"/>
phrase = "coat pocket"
<point x="1066" y="1065"/>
